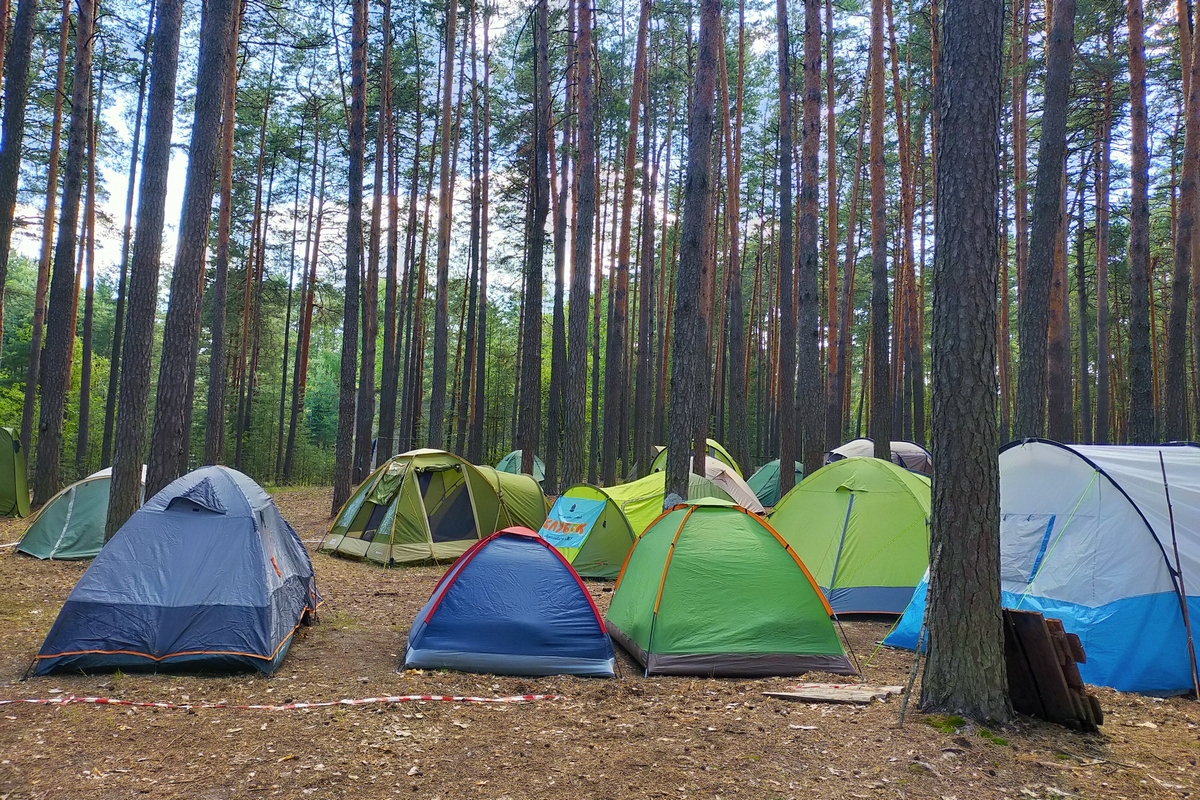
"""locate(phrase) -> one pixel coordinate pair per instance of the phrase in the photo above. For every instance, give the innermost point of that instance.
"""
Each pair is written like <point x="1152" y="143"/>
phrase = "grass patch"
<point x="946" y="723"/>
<point x="984" y="733"/>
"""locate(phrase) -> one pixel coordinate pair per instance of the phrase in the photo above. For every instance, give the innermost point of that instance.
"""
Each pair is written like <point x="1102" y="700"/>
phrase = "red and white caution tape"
<point x="385" y="700"/>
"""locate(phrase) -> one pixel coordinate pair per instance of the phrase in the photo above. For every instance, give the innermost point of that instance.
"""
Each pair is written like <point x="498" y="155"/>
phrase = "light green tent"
<point x="710" y="589"/>
<point x="594" y="528"/>
<point x="71" y="524"/>
<point x="14" y="483"/>
<point x="430" y="505"/>
<point x="765" y="482"/>
<point x="715" y="450"/>
<point x="512" y="463"/>
<point x="862" y="527"/>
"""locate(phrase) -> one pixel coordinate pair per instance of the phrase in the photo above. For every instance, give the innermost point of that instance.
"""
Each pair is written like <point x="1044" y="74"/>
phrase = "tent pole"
<point x="1183" y="605"/>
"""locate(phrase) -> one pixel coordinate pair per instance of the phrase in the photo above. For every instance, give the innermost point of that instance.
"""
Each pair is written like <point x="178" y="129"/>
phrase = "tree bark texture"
<point x="1140" y="423"/>
<point x="785" y="282"/>
<point x="881" y="393"/>
<point x="809" y="408"/>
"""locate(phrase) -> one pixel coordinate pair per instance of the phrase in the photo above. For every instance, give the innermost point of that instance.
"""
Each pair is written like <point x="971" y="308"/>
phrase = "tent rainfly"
<point x="909" y="455"/>
<point x="594" y="527"/>
<point x="765" y="482"/>
<point x="715" y="450"/>
<point x="430" y="505"/>
<point x="511" y="605"/>
<point x="71" y="524"/>
<point x="205" y="576"/>
<point x="512" y="463"/>
<point x="1086" y="536"/>
<point x="861" y="525"/>
<point x="712" y="590"/>
<point x="14" y="482"/>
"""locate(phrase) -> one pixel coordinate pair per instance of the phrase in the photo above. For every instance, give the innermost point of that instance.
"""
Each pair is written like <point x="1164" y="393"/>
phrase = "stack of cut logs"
<point x="1043" y="671"/>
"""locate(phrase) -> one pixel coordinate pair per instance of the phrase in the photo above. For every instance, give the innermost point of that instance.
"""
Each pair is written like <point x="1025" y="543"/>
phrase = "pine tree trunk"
<point x="89" y="252"/>
<point x="33" y="373"/>
<point x="1186" y="242"/>
<point x="114" y="361"/>
<point x="56" y="367"/>
<point x="218" y="379"/>
<point x="129" y="444"/>
<point x="849" y="268"/>
<point x="833" y="395"/>
<point x="785" y="310"/>
<point x="287" y="319"/>
<point x="344" y="445"/>
<point x="575" y="461"/>
<point x="1034" y="302"/>
<point x="1058" y="348"/>
<point x="1085" y="379"/>
<point x="688" y="378"/>
<point x="1140" y="424"/>
<point x="881" y="394"/>
<point x="15" y="84"/>
<point x="1103" y="349"/>
<point x="465" y="397"/>
<point x="389" y="377"/>
<point x="441" y="313"/>
<point x="811" y="425"/>
<point x="965" y="671"/>
<point x="475" y="444"/>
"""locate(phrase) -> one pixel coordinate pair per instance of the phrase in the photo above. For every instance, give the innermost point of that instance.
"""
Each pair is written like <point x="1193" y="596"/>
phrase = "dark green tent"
<point x="765" y="482"/>
<point x="14" y="485"/>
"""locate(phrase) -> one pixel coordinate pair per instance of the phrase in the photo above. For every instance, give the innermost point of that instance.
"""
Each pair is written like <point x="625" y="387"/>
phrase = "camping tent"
<point x="431" y="505"/>
<point x="732" y="484"/>
<point x="907" y="454"/>
<point x="512" y="463"/>
<point x="14" y="485"/>
<point x="861" y="525"/>
<point x="71" y="524"/>
<point x="594" y="528"/>
<point x="765" y="482"/>
<point x="206" y="576"/>
<point x="715" y="450"/>
<point x="1086" y="536"/>
<point x="711" y="589"/>
<point x="511" y="605"/>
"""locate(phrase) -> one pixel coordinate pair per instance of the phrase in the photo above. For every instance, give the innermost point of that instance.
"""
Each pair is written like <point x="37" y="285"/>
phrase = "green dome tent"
<point x="765" y="482"/>
<point x="430" y="505"/>
<point x="594" y="528"/>
<point x="14" y="483"/>
<point x="70" y="526"/>
<point x="862" y="527"/>
<point x="715" y="450"/>
<point x="710" y="589"/>
<point x="512" y="463"/>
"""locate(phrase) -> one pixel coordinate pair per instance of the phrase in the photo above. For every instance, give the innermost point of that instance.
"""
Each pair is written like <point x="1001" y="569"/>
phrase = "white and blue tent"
<point x="1086" y="536"/>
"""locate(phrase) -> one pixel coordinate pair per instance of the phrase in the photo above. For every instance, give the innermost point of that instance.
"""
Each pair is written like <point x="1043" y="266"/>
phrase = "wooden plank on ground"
<point x="1040" y="653"/>
<point x="836" y="693"/>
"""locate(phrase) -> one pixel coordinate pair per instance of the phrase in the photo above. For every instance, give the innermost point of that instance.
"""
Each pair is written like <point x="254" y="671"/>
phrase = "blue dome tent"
<point x="1086" y="537"/>
<point x="205" y="576"/>
<point x="511" y="605"/>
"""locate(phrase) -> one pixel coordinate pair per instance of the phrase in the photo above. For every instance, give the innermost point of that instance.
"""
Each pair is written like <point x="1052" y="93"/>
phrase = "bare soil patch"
<point x="628" y="737"/>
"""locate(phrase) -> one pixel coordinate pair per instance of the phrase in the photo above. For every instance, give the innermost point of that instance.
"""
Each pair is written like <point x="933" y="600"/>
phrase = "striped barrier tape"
<point x="386" y="700"/>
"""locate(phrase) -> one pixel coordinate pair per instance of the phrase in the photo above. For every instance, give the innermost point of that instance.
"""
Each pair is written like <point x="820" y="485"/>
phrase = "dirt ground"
<point x="628" y="737"/>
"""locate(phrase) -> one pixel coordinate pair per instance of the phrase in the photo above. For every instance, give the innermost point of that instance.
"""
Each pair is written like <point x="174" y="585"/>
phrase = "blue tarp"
<point x="511" y="605"/>
<point x="205" y="576"/>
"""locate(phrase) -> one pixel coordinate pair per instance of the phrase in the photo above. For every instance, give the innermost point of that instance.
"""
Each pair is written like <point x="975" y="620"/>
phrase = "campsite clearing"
<point x="624" y="737"/>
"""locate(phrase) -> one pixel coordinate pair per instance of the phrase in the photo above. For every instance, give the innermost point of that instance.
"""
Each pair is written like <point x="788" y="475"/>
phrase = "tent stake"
<point x="1183" y="604"/>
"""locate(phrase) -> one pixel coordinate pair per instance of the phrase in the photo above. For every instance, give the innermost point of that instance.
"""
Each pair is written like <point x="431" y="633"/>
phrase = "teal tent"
<point x="765" y="482"/>
<point x="512" y="463"/>
<point x="70" y="526"/>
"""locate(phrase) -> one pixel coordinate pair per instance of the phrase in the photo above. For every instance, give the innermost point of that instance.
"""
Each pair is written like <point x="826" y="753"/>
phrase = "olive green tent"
<point x="430" y="505"/>
<point x="14" y="484"/>
<point x="512" y="463"/>
<point x="710" y="589"/>
<point x="594" y="528"/>
<point x="71" y="524"/>
<point x="862" y="527"/>
<point x="715" y="450"/>
<point x="765" y="482"/>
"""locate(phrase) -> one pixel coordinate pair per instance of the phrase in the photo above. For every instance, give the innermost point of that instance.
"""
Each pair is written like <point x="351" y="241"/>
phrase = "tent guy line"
<point x="384" y="700"/>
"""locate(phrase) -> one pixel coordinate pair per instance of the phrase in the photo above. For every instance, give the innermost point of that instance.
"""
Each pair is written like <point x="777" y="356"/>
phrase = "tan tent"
<point x="909" y="455"/>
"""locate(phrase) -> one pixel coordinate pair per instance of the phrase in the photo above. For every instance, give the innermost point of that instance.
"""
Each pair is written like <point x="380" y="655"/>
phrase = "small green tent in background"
<point x="594" y="528"/>
<point x="715" y="450"/>
<point x="862" y="527"/>
<point x="71" y="524"/>
<point x="710" y="589"/>
<point x="430" y="505"/>
<point x="512" y="463"/>
<point x="14" y="483"/>
<point x="765" y="482"/>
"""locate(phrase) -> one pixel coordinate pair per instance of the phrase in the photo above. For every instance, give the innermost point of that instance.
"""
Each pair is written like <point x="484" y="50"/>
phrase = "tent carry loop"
<point x="1183" y="606"/>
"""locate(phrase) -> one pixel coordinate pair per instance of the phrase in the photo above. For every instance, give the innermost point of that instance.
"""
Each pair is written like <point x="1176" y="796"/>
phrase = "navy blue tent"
<point x="205" y="576"/>
<point x="511" y="605"/>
